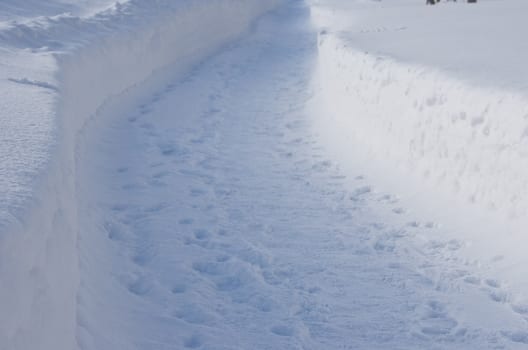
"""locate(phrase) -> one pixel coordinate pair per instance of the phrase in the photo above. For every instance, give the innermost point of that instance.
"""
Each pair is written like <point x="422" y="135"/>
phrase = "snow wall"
<point x="467" y="143"/>
<point x="39" y="262"/>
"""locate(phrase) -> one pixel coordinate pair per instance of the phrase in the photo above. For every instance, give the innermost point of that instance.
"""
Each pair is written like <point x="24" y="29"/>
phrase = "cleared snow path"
<point x="223" y="225"/>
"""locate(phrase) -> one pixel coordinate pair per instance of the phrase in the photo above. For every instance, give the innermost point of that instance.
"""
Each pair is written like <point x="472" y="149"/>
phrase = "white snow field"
<point x="263" y="174"/>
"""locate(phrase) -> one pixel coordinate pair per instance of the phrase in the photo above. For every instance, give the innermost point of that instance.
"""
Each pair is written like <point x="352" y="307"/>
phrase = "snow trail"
<point x="223" y="224"/>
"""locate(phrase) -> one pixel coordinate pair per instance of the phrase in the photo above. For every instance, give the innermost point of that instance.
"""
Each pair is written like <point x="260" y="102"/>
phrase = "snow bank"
<point x="467" y="141"/>
<point x="414" y="99"/>
<point x="98" y="59"/>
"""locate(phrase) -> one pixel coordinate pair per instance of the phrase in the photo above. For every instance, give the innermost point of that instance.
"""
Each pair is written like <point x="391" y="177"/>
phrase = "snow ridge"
<point x="465" y="140"/>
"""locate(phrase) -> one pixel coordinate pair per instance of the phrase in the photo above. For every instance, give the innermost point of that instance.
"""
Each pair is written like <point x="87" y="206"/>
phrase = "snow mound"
<point x="469" y="141"/>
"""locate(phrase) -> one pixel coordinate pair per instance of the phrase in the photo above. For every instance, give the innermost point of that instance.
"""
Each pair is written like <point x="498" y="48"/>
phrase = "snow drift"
<point x="465" y="140"/>
<point x="98" y="59"/>
<point x="414" y="99"/>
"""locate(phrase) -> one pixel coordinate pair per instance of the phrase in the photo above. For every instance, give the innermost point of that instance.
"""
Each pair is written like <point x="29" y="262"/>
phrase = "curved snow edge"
<point x="466" y="142"/>
<point x="41" y="309"/>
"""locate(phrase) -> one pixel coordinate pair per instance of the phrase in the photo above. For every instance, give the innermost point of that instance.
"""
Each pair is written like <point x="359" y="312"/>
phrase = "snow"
<point x="335" y="174"/>
<point x="224" y="224"/>
<point x="447" y="123"/>
<point x="59" y="66"/>
<point x="479" y="43"/>
<point x="15" y="11"/>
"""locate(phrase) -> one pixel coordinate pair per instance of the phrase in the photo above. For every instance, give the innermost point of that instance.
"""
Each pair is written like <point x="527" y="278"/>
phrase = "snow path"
<point x="223" y="225"/>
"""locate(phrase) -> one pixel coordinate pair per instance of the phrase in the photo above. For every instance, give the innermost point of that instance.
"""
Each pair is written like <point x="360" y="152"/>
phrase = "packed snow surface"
<point x="334" y="175"/>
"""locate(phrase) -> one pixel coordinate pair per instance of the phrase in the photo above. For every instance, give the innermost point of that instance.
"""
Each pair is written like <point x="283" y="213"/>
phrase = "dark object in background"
<point x="432" y="2"/>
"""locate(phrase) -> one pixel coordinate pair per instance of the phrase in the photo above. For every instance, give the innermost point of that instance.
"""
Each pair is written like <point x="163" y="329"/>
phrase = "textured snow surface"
<point x="347" y="175"/>
<point x="12" y="11"/>
<point x="224" y="223"/>
<point x="60" y="62"/>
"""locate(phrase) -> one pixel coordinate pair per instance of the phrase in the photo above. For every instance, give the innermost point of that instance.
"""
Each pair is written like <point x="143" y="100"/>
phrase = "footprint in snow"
<point x="263" y="304"/>
<point x="516" y="336"/>
<point x="498" y="296"/>
<point x="131" y="186"/>
<point x="384" y="245"/>
<point x="197" y="192"/>
<point x="435" y="320"/>
<point x="398" y="211"/>
<point x="156" y="165"/>
<point x="194" y="314"/>
<point x="179" y="288"/>
<point x="229" y="283"/>
<point x="167" y="150"/>
<point x="254" y="256"/>
<point x="493" y="283"/>
<point x="414" y="224"/>
<point x="115" y="231"/>
<point x="314" y="290"/>
<point x="454" y="245"/>
<point x="430" y="224"/>
<point x="497" y="258"/>
<point x="145" y="111"/>
<point x="141" y="286"/>
<point x="160" y="174"/>
<point x="144" y="256"/>
<point x="360" y="191"/>
<point x="222" y="258"/>
<point x="322" y="166"/>
<point x="201" y="234"/>
<point x="147" y="126"/>
<point x="156" y="98"/>
<point x="185" y="221"/>
<point x="282" y="330"/>
<point x="521" y="309"/>
<point x="157" y="183"/>
<point x="208" y="268"/>
<point x="120" y="207"/>
<point x="197" y="141"/>
<point x="472" y="280"/>
<point x="193" y="342"/>
<point x="214" y="111"/>
<point x="156" y="208"/>
<point x="387" y="198"/>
